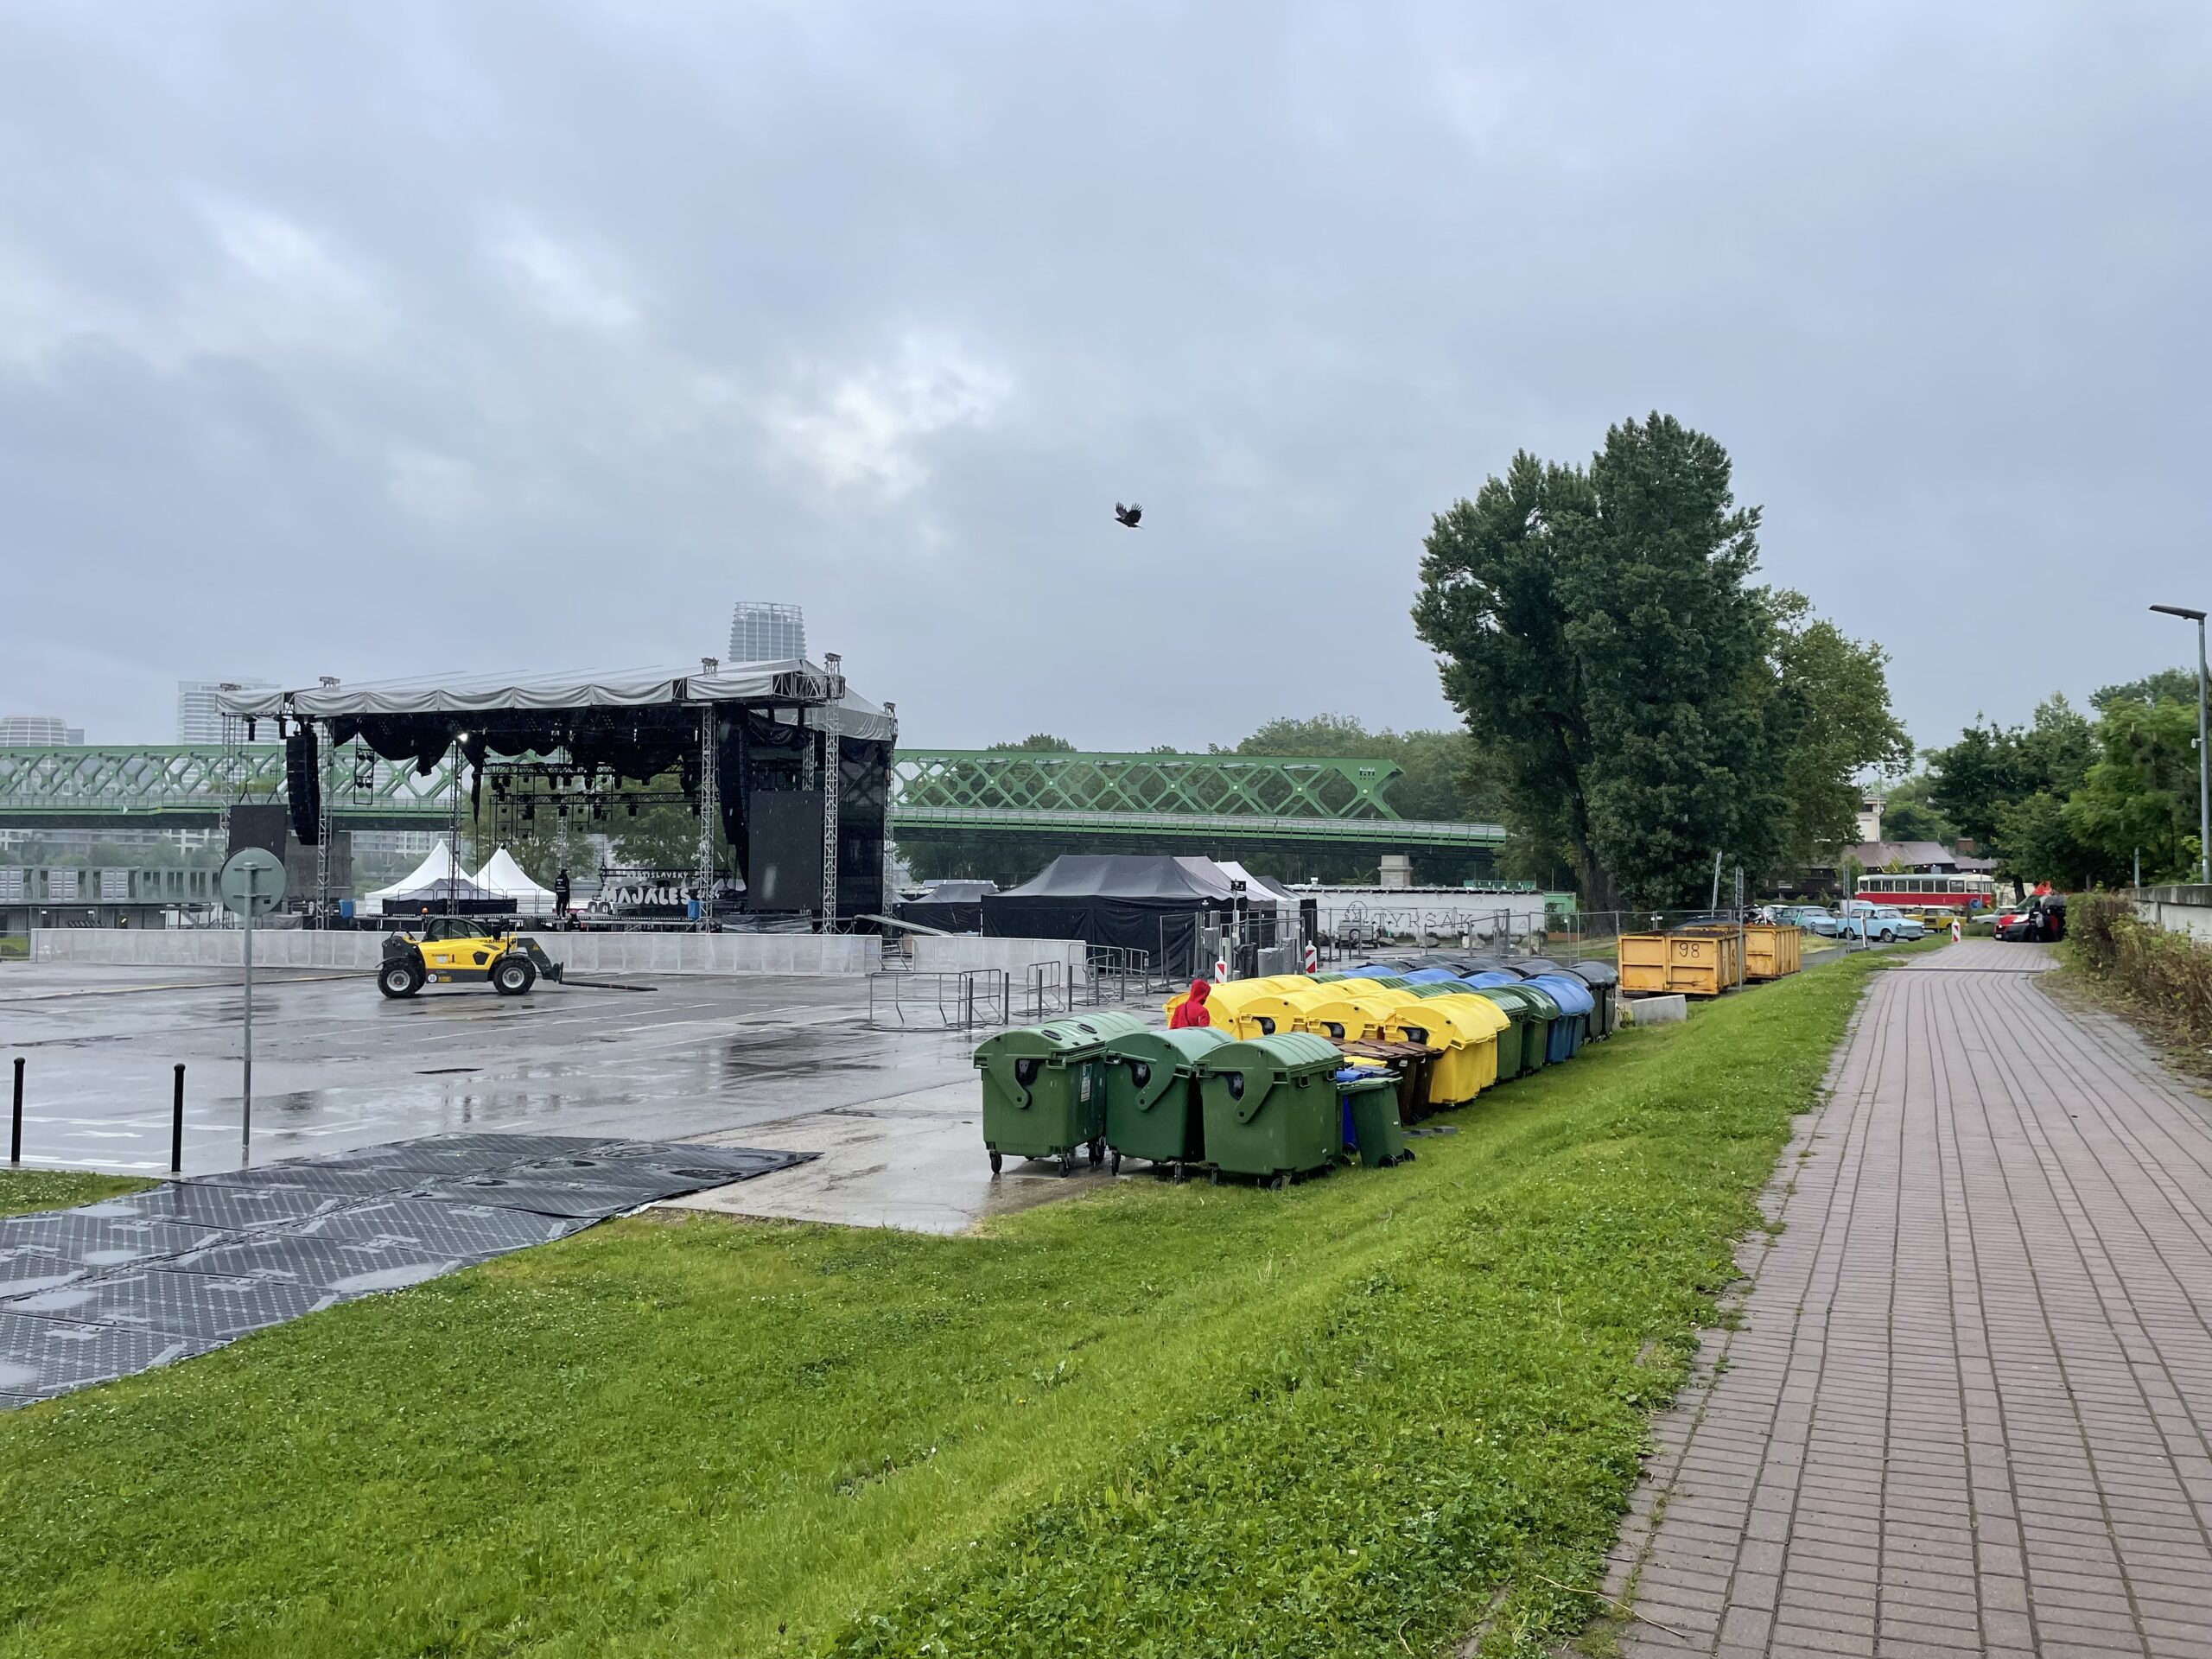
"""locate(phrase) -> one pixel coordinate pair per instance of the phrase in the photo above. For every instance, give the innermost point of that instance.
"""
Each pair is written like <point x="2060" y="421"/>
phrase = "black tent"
<point x="1139" y="903"/>
<point x="956" y="906"/>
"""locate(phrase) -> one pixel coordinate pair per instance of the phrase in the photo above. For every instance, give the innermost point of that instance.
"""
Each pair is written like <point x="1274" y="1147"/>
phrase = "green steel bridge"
<point x="1098" y="801"/>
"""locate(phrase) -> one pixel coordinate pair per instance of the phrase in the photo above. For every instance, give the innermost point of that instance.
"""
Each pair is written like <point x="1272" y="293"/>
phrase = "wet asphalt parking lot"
<point x="337" y="1067"/>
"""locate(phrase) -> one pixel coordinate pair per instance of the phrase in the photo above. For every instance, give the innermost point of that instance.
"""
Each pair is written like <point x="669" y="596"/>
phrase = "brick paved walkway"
<point x="1967" y="1408"/>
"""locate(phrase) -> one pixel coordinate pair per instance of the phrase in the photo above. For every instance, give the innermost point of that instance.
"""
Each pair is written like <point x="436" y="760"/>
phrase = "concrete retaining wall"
<point x="2179" y="910"/>
<point x="807" y="955"/>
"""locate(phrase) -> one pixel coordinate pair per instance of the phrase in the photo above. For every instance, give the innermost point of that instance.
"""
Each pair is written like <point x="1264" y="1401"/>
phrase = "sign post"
<point x="252" y="885"/>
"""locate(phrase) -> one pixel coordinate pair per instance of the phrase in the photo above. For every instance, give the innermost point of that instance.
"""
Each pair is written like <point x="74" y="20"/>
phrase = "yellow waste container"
<point x="1349" y="1008"/>
<point x="1229" y="1004"/>
<point x="1696" y="965"/>
<point x="1771" y="950"/>
<point x="1280" y="1008"/>
<point x="1466" y="1028"/>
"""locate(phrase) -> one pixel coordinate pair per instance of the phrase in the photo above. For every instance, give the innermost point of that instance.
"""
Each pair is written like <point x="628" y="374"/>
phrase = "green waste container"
<point x="1371" y="1101"/>
<point x="1153" y="1108"/>
<point x="1045" y="1089"/>
<point x="1271" y="1106"/>
<point x="1521" y="1051"/>
<point x="1544" y="1012"/>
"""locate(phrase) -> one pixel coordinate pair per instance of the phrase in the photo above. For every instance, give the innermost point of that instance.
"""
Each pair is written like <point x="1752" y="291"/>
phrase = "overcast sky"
<point x="378" y="339"/>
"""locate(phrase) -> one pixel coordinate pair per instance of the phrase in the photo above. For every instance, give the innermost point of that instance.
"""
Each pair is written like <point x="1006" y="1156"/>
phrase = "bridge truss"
<point x="1110" y="801"/>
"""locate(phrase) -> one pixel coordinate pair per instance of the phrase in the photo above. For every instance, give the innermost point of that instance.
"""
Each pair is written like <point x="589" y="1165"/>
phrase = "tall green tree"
<point x="2167" y="685"/>
<point x="2140" y="793"/>
<point x="1600" y="628"/>
<point x="1844" y="728"/>
<point x="2007" y="788"/>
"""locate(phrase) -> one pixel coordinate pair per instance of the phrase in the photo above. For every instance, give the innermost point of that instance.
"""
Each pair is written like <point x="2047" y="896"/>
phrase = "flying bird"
<point x="1128" y="515"/>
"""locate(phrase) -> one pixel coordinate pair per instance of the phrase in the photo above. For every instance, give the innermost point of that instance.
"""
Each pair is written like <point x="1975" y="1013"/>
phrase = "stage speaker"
<point x="785" y="869"/>
<point x="262" y="826"/>
<point x="303" y="785"/>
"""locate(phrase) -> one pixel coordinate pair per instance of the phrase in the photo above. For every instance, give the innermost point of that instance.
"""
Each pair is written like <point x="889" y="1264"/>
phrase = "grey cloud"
<point x="538" y="334"/>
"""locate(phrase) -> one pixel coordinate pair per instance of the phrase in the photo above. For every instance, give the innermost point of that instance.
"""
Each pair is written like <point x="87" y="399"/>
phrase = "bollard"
<point x="176" y="1125"/>
<point x="15" y="1123"/>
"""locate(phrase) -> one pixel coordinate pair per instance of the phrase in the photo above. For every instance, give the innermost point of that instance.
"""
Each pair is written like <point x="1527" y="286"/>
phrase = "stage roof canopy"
<point x="794" y="683"/>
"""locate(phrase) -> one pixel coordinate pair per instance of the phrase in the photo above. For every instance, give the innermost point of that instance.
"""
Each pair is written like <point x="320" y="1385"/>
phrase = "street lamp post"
<point x="2203" y="757"/>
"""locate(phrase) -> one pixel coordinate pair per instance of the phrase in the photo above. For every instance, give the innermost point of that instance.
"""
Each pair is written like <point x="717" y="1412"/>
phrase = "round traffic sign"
<point x="252" y="881"/>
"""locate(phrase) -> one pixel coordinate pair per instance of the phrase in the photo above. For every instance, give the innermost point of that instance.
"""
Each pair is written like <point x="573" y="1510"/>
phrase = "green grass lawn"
<point x="1365" y="1416"/>
<point x="23" y="1190"/>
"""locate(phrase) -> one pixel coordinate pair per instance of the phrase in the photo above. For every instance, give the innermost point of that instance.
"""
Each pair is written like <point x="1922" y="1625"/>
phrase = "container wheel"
<point x="1213" y="1177"/>
<point x="1097" y="1150"/>
<point x="1116" y="1166"/>
<point x="1179" y="1172"/>
<point x="997" y="1163"/>
<point x="1067" y="1163"/>
<point x="1282" y="1182"/>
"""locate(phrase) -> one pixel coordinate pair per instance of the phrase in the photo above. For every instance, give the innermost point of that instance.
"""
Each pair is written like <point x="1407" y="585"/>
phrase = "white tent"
<point x="502" y="878"/>
<point x="1257" y="888"/>
<point x="433" y="880"/>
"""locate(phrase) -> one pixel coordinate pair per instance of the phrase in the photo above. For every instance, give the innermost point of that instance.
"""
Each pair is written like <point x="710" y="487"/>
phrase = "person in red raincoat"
<point x="1191" y="1010"/>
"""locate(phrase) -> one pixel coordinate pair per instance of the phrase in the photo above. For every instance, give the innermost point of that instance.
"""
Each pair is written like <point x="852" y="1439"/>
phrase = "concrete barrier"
<point x="2179" y="910"/>
<point x="1657" y="1010"/>
<point x="801" y="955"/>
<point x="960" y="952"/>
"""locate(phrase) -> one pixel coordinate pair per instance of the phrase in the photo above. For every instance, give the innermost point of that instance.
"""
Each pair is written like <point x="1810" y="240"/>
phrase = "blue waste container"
<point x="1576" y="1005"/>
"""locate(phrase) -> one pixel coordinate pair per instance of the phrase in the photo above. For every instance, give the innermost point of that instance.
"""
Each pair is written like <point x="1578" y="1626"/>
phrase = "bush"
<point x="2168" y="976"/>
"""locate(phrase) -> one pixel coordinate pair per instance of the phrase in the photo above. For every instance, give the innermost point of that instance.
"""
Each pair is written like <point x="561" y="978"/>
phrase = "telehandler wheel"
<point x="513" y="976"/>
<point x="400" y="979"/>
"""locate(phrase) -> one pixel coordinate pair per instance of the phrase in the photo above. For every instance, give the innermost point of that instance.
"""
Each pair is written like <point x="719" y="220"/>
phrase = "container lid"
<point x="1289" y="1051"/>
<point x="1510" y="1000"/>
<point x="1570" y="993"/>
<point x="1181" y="1049"/>
<point x="1101" y="1026"/>
<point x="1469" y="1017"/>
<point x="1054" y="1042"/>
<point x="1596" y="973"/>
<point x="1546" y="1006"/>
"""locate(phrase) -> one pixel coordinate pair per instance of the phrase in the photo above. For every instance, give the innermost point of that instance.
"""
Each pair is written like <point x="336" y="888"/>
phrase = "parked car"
<point x="1813" y="919"/>
<point x="1880" y="923"/>
<point x="2043" y="916"/>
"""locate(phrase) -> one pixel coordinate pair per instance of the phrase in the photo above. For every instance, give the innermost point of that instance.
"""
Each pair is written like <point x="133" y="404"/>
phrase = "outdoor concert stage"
<point x="793" y="765"/>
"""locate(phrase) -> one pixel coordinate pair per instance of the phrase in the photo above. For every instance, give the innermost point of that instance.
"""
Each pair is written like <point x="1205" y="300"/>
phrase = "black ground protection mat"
<point x="232" y="1208"/>
<point x="441" y="1229"/>
<point x="329" y="1181"/>
<point x="728" y="1163"/>
<point x="461" y="1154"/>
<point x="98" y="1242"/>
<point x="202" y="1307"/>
<point x="42" y="1356"/>
<point x="25" y="1270"/>
<point x="334" y="1266"/>
<point x="89" y="1294"/>
<point x="595" y="1199"/>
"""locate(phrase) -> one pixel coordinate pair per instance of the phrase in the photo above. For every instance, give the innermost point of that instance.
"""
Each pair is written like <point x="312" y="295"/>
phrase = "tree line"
<point x="2073" y="797"/>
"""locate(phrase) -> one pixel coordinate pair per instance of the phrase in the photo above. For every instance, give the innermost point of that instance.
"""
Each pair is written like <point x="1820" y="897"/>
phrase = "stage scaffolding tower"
<point x="709" y="811"/>
<point x="833" y="785"/>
